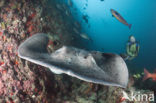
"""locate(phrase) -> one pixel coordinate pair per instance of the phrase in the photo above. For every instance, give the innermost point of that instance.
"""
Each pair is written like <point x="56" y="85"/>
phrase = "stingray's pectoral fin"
<point x="114" y="66"/>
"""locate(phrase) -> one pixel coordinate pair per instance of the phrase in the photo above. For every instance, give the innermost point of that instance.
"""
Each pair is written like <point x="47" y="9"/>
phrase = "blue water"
<point x="109" y="35"/>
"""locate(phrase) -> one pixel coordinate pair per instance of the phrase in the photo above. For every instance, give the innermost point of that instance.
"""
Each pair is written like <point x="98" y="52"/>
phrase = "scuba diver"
<point x="132" y="49"/>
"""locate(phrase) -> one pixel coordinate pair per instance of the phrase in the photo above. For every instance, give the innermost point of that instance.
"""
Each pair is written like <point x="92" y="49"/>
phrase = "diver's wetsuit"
<point x="132" y="50"/>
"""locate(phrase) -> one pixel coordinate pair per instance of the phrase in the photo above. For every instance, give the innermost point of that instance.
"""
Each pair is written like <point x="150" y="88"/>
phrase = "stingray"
<point x="91" y="66"/>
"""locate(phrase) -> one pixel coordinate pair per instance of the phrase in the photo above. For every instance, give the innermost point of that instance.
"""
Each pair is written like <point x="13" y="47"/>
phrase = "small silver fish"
<point x="70" y="3"/>
<point x="77" y="24"/>
<point x="120" y="18"/>
<point x="76" y="31"/>
<point x="85" y="36"/>
<point x="58" y="6"/>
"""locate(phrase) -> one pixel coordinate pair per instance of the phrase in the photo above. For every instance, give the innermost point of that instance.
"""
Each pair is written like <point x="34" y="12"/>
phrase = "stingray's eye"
<point x="56" y="43"/>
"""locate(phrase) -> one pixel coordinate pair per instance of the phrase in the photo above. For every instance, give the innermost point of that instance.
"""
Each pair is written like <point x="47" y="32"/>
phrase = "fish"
<point x="70" y="3"/>
<point x="76" y="31"/>
<point x="58" y="6"/>
<point x="77" y="24"/>
<point x="75" y="62"/>
<point x="85" y="18"/>
<point x="148" y="75"/>
<point x="120" y="18"/>
<point x="85" y="36"/>
<point x="67" y="12"/>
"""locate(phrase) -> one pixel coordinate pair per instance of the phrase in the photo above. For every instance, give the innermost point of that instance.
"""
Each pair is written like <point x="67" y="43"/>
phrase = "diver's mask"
<point x="132" y="39"/>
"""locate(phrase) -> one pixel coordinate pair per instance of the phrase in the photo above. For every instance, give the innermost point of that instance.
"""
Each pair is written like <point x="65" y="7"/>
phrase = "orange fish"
<point x="149" y="75"/>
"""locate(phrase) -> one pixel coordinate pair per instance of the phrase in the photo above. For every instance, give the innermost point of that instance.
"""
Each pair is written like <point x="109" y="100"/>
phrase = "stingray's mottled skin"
<point x="96" y="67"/>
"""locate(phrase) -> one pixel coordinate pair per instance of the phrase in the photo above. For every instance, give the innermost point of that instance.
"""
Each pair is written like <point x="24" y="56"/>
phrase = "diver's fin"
<point x="129" y="25"/>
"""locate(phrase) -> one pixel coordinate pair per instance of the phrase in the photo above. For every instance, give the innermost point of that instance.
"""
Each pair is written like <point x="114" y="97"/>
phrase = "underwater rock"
<point x="96" y="67"/>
